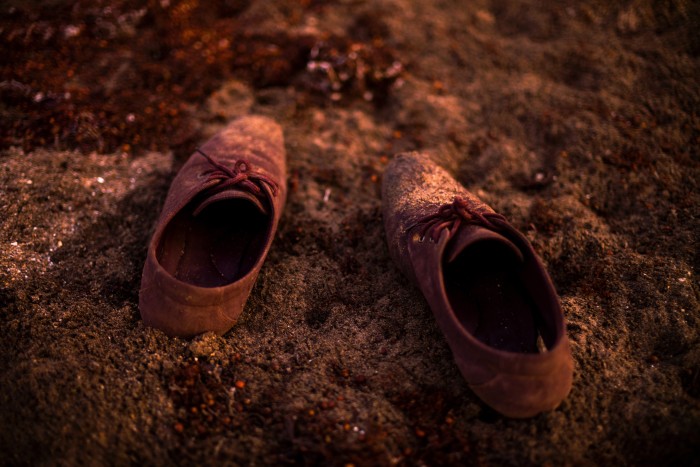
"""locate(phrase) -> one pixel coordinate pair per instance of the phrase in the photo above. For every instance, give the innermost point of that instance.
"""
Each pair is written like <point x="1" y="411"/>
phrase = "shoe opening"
<point x="491" y="298"/>
<point x="217" y="246"/>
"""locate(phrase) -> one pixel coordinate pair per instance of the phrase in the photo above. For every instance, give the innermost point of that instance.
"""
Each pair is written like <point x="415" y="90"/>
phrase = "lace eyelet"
<point x="240" y="175"/>
<point x="451" y="216"/>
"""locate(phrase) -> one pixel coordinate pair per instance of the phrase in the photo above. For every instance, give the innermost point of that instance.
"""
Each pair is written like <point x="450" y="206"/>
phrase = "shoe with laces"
<point x="486" y="286"/>
<point x="215" y="230"/>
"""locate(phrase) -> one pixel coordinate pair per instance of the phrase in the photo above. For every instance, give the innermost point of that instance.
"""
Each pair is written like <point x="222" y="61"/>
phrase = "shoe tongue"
<point x="231" y="193"/>
<point x="471" y="234"/>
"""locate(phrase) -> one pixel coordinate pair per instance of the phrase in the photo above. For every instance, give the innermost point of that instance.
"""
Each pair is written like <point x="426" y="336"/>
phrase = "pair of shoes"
<point x="489" y="291"/>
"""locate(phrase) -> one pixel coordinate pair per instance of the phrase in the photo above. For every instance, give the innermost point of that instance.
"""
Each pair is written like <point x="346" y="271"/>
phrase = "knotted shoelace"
<point x="451" y="216"/>
<point x="240" y="176"/>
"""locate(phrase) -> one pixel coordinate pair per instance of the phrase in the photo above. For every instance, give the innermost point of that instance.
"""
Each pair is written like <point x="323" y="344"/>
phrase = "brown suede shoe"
<point x="490" y="293"/>
<point x="219" y="219"/>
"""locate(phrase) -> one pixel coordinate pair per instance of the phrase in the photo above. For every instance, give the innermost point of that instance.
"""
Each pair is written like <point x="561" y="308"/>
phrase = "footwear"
<point x="219" y="219"/>
<point x="488" y="290"/>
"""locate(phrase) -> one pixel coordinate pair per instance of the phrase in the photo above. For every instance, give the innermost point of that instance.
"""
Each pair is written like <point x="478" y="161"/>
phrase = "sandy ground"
<point x="577" y="120"/>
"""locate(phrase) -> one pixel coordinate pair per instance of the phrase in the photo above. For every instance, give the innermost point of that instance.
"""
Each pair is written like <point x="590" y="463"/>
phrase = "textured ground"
<point x="577" y="120"/>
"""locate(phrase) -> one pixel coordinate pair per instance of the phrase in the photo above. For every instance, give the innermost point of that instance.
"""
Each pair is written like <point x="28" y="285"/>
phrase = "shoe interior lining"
<point x="486" y="290"/>
<point x="218" y="246"/>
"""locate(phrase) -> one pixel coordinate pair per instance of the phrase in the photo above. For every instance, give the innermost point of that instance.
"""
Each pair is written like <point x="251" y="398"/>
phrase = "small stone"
<point x="485" y="17"/>
<point x="204" y="345"/>
<point x="232" y="100"/>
